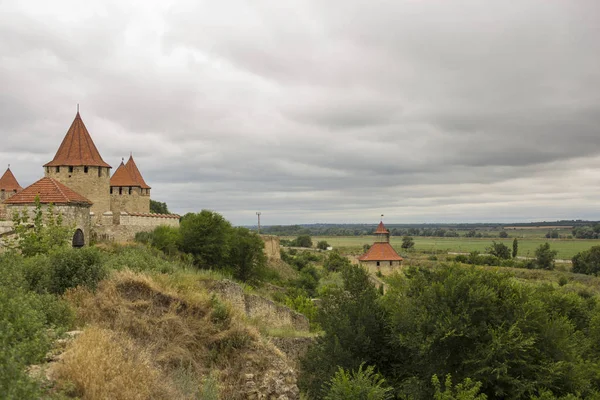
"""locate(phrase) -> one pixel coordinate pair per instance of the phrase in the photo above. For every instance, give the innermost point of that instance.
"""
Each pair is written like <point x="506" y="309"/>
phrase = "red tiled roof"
<point x="135" y="172"/>
<point x="381" y="228"/>
<point x="381" y="252"/>
<point x="77" y="148"/>
<point x="122" y="177"/>
<point x="9" y="183"/>
<point x="49" y="191"/>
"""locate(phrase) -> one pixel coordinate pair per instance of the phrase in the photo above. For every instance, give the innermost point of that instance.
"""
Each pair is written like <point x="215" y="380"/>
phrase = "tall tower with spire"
<point x="79" y="165"/>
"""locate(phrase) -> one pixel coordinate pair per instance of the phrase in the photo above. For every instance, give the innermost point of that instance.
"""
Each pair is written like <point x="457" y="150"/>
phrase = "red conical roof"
<point x="381" y="228"/>
<point x="49" y="191"/>
<point x="135" y="173"/>
<point x="9" y="183"/>
<point x="380" y="252"/>
<point x="77" y="148"/>
<point x="122" y="177"/>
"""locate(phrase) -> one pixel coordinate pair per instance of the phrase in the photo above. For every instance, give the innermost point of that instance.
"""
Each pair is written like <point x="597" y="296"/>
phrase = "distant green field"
<point x="566" y="248"/>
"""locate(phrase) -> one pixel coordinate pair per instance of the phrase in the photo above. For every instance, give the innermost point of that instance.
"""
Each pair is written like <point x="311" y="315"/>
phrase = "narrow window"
<point x="378" y="263"/>
<point x="99" y="172"/>
<point x="85" y="169"/>
<point x="111" y="190"/>
<point x="391" y="263"/>
<point x="120" y="190"/>
<point x="57" y="169"/>
<point x="130" y="189"/>
<point x="70" y="170"/>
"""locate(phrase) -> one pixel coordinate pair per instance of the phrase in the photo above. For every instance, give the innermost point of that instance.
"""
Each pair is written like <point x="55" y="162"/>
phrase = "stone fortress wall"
<point x="74" y="216"/>
<point x="93" y="184"/>
<point x="129" y="199"/>
<point x="124" y="226"/>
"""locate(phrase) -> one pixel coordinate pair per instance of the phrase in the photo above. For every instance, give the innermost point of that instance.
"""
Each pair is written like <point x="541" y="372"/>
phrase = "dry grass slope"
<point x="171" y="331"/>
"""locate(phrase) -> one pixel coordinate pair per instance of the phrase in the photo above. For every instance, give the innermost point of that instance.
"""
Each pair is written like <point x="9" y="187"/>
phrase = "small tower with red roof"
<point x="79" y="165"/>
<point x="128" y="190"/>
<point x="381" y="256"/>
<point x="8" y="185"/>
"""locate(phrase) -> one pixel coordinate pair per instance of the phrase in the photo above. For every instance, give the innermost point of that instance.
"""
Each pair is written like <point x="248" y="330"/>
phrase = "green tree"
<point x="361" y="384"/>
<point x="408" y="242"/>
<point x="303" y="241"/>
<point x="322" y="245"/>
<point x="156" y="207"/>
<point x="246" y="254"/>
<point x="166" y="239"/>
<point x="336" y="262"/>
<point x="499" y="250"/>
<point x="479" y="324"/>
<point x="354" y="328"/>
<point x="205" y="235"/>
<point x="45" y="233"/>
<point x="515" y="248"/>
<point x="503" y="234"/>
<point x="544" y="257"/>
<point x="587" y="262"/>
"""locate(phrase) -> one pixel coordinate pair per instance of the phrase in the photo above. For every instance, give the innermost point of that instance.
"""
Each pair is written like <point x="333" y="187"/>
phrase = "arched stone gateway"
<point x="78" y="239"/>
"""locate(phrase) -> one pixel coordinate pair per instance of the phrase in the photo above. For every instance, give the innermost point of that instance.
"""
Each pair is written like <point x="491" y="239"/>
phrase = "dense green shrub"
<point x="138" y="258"/>
<point x="362" y="384"/>
<point x="303" y="241"/>
<point x="26" y="321"/>
<point x="166" y="239"/>
<point x="354" y="331"/>
<point x="246" y="257"/>
<point x="322" y="245"/>
<point x="205" y="235"/>
<point x="587" y="262"/>
<point x="70" y="268"/>
<point x="336" y="262"/>
<point x="467" y="390"/>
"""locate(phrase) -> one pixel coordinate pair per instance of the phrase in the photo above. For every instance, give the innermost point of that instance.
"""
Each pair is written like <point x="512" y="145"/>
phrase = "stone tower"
<point x="8" y="185"/>
<point x="78" y="165"/>
<point x="128" y="190"/>
<point x="8" y="188"/>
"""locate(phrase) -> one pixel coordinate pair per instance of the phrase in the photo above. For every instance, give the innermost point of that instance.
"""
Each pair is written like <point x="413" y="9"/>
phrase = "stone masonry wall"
<point x="74" y="216"/>
<point x="271" y="247"/>
<point x="136" y="202"/>
<point x="129" y="224"/>
<point x="273" y="314"/>
<point x="93" y="185"/>
<point x="384" y="267"/>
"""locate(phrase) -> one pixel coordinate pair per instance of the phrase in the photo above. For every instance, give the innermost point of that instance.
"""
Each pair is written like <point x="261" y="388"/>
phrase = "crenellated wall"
<point x="124" y="226"/>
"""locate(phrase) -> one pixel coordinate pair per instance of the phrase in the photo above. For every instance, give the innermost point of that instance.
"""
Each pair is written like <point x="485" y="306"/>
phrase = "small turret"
<point x="129" y="192"/>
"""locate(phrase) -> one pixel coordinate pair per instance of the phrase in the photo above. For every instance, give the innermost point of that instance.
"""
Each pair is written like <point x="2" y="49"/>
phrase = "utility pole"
<point x="258" y="214"/>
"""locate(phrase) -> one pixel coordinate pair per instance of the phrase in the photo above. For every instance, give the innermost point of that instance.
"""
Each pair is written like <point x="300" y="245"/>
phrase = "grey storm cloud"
<point x="318" y="111"/>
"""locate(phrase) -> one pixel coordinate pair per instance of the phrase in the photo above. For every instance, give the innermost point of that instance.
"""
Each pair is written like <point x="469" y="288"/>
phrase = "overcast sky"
<point x="318" y="110"/>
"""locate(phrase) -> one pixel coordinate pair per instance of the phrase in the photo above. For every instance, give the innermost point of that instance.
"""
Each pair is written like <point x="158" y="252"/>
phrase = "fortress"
<point x="78" y="183"/>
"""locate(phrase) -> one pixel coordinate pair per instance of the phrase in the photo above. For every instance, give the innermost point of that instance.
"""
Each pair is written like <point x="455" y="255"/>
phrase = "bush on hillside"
<point x="322" y="245"/>
<point x="358" y="385"/>
<point x="336" y="262"/>
<point x="69" y="268"/>
<point x="247" y="258"/>
<point x="303" y="241"/>
<point x="205" y="236"/>
<point x="587" y="262"/>
<point x="354" y="331"/>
